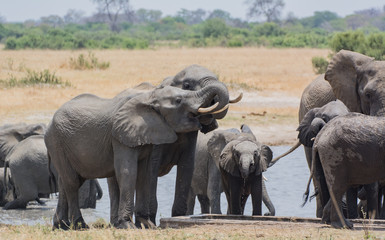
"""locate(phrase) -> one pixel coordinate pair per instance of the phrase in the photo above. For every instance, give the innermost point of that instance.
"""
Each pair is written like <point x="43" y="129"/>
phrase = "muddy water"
<point x="286" y="184"/>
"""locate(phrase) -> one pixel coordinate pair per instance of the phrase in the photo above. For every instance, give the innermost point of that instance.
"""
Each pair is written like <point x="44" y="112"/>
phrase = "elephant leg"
<point x="155" y="161"/>
<point x="184" y="175"/>
<point x="190" y="202"/>
<point x="256" y="195"/>
<point x="214" y="189"/>
<point x="72" y="193"/>
<point x="335" y="219"/>
<point x="320" y="187"/>
<point x="351" y="202"/>
<point x="205" y="203"/>
<point x="235" y="195"/>
<point x="126" y="169"/>
<point x="267" y="201"/>
<point x="60" y="219"/>
<point x="142" y="203"/>
<point x="372" y="198"/>
<point x="114" y="192"/>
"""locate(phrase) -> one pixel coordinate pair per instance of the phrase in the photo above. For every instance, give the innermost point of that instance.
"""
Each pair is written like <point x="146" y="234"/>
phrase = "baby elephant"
<point x="351" y="150"/>
<point x="241" y="162"/>
<point x="206" y="182"/>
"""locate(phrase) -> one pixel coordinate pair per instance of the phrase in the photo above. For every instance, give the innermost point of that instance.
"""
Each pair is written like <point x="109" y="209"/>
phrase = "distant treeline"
<point x="362" y="31"/>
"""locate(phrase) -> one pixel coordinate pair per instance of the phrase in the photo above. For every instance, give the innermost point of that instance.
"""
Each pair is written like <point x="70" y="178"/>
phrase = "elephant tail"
<point x="52" y="179"/>
<point x="306" y="194"/>
<point x="297" y="144"/>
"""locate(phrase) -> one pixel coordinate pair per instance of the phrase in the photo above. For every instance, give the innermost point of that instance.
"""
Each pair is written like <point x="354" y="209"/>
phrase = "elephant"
<point x="351" y="151"/>
<point x="206" y="182"/>
<point x="181" y="152"/>
<point x="241" y="160"/>
<point x="355" y="79"/>
<point x="12" y="134"/>
<point x="28" y="163"/>
<point x="91" y="137"/>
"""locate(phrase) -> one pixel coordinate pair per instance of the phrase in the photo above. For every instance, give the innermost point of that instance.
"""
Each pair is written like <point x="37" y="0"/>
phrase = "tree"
<point x="73" y="16"/>
<point x="271" y="9"/>
<point x="112" y="9"/>
<point x="192" y="17"/>
<point x="52" y="20"/>
<point x="143" y="15"/>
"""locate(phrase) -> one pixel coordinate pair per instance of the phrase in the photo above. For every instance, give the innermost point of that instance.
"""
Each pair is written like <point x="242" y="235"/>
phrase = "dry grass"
<point x="266" y="70"/>
<point x="236" y="232"/>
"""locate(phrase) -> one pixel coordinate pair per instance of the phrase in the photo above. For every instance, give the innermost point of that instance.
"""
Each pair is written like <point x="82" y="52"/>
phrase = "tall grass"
<point x="83" y="62"/>
<point x="33" y="78"/>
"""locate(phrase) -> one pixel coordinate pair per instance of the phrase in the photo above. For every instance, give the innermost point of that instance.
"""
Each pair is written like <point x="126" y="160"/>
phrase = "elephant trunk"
<point x="221" y="96"/>
<point x="246" y="165"/>
<point x="212" y="99"/>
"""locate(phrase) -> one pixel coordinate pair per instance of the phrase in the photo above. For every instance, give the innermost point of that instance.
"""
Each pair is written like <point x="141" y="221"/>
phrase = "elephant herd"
<point x="143" y="132"/>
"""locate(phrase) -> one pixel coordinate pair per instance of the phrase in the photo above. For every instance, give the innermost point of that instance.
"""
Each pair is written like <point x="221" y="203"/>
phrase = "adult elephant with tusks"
<point x="182" y="152"/>
<point x="122" y="138"/>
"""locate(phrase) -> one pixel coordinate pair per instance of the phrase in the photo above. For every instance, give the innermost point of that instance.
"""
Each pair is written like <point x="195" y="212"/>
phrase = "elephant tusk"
<point x="239" y="98"/>
<point x="312" y="139"/>
<point x="208" y="109"/>
<point x="221" y="110"/>
<point x="264" y="178"/>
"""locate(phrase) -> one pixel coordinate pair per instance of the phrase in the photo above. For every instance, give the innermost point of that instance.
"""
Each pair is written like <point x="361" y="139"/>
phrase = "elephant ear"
<point x="227" y="159"/>
<point x="218" y="141"/>
<point x="138" y="123"/>
<point x="266" y="157"/>
<point x="305" y="135"/>
<point x="342" y="76"/>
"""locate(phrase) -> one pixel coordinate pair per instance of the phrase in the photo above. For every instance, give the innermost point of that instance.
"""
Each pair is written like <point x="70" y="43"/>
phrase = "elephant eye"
<point x="186" y="86"/>
<point x="256" y="155"/>
<point x="368" y="95"/>
<point x="325" y="118"/>
<point x="178" y="100"/>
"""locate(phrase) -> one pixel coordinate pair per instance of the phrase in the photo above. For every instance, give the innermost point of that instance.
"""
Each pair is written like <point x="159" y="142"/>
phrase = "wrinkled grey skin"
<point x="206" y="182"/>
<point x="91" y="137"/>
<point x="242" y="159"/>
<point x="351" y="150"/>
<point x="12" y="134"/>
<point x="28" y="162"/>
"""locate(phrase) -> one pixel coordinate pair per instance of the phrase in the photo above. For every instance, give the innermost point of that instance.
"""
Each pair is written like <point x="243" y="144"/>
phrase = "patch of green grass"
<point x="34" y="78"/>
<point x="83" y="62"/>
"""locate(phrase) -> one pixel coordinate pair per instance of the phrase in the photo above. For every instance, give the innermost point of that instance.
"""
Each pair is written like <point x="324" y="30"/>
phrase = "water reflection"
<point x="286" y="184"/>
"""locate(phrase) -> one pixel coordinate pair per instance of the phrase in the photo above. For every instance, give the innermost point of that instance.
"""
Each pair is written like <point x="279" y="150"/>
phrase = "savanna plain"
<point x="271" y="81"/>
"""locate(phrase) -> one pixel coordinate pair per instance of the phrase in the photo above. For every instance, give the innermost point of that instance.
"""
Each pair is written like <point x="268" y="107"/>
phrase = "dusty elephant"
<point x="91" y="137"/>
<point x="206" y="182"/>
<point x="351" y="151"/>
<point x="28" y="162"/>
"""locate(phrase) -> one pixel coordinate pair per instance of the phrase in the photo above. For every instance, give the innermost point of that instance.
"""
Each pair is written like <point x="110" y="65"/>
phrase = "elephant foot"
<point x="123" y="224"/>
<point x="268" y="214"/>
<point x="79" y="224"/>
<point x="63" y="224"/>
<point x="144" y="223"/>
<point x="338" y="224"/>
<point x="15" y="205"/>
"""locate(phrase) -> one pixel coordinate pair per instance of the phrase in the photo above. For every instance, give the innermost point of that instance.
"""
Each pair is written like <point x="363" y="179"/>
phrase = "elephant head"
<point x="10" y="135"/>
<point x="239" y="153"/>
<point x="155" y="117"/>
<point x="196" y="77"/>
<point x="316" y="118"/>
<point x="358" y="81"/>
<point x="241" y="158"/>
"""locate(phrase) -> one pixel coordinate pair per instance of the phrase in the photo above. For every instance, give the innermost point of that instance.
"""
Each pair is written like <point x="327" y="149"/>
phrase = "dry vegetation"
<point x="273" y="78"/>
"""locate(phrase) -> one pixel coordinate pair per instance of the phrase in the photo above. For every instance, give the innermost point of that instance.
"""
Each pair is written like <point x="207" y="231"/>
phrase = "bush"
<point x="353" y="41"/>
<point x="91" y="62"/>
<point x="320" y="64"/>
<point x="11" y="43"/>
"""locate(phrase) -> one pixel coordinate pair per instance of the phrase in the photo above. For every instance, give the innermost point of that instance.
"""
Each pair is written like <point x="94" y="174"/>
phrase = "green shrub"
<point x="353" y="41"/>
<point x="83" y="62"/>
<point x="11" y="43"/>
<point x="320" y="64"/>
<point x="34" y="78"/>
<point x="236" y="41"/>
